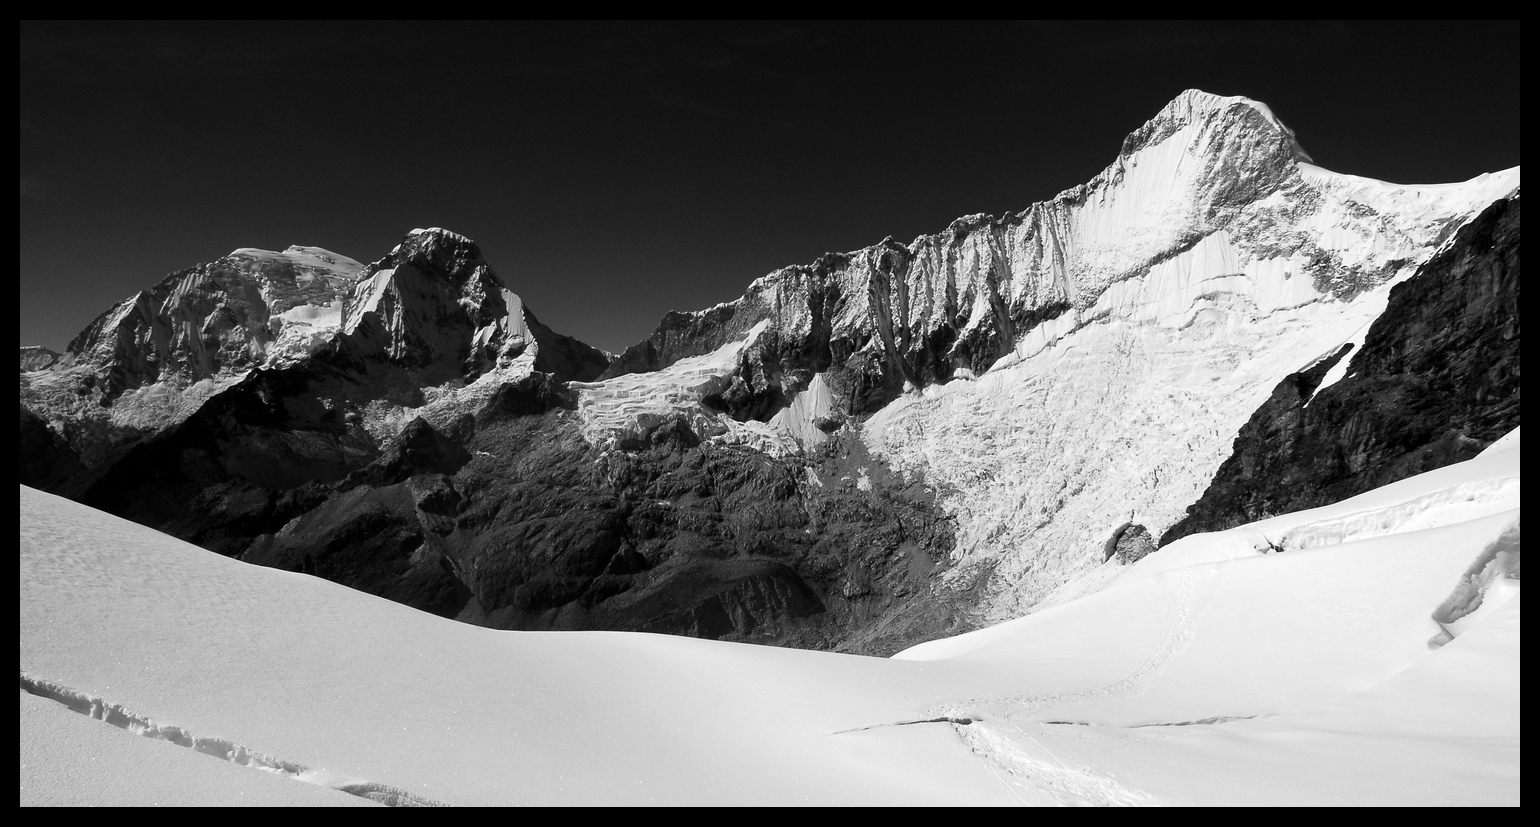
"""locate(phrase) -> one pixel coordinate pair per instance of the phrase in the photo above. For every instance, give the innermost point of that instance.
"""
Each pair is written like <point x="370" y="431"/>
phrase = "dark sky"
<point x="612" y="172"/>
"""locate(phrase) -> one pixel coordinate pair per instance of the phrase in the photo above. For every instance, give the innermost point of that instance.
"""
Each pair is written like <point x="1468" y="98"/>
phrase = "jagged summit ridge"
<point x="432" y="311"/>
<point x="956" y="299"/>
<point x="1195" y="105"/>
<point x="1212" y="197"/>
<point x="434" y="299"/>
<point x="435" y="308"/>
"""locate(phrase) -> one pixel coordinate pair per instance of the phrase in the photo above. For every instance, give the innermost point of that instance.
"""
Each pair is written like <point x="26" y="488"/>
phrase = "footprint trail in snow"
<point x="993" y="734"/>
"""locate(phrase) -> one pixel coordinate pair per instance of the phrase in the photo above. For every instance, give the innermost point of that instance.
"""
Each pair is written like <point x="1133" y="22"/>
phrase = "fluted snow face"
<point x="1124" y="407"/>
<point x="1210" y="188"/>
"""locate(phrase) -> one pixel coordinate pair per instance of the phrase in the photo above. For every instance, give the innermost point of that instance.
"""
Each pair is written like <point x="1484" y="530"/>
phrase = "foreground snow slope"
<point x="1210" y="674"/>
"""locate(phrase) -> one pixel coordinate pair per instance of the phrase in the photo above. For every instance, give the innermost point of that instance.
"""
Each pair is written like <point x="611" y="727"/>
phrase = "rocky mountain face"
<point x="155" y="356"/>
<point x="434" y="307"/>
<point x="430" y="450"/>
<point x="1214" y="178"/>
<point x="429" y="331"/>
<point x="213" y="319"/>
<point x="537" y="529"/>
<point x="1129" y="543"/>
<point x="431" y="318"/>
<point x="1435" y="382"/>
<point x="46" y="459"/>
<point x="1046" y="372"/>
<point x="881" y="447"/>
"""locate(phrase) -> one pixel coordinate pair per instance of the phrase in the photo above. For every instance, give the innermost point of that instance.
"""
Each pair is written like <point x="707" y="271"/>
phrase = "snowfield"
<point x="1215" y="671"/>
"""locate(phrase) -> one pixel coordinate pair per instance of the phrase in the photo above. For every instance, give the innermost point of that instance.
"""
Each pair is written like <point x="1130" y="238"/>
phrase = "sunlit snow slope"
<point x="1211" y="673"/>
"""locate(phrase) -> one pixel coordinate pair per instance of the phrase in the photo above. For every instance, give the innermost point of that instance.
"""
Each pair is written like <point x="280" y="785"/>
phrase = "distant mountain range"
<point x="862" y="453"/>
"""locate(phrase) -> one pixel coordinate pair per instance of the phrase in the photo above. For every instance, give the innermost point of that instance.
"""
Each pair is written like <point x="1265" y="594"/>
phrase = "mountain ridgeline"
<point x="878" y="448"/>
<point x="895" y="315"/>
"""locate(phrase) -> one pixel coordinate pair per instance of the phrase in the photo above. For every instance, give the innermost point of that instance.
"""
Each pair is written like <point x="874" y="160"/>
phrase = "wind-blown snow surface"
<point x="1209" y="674"/>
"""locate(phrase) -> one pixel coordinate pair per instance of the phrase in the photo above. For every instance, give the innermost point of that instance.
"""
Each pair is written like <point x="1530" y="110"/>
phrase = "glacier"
<point x="1111" y="340"/>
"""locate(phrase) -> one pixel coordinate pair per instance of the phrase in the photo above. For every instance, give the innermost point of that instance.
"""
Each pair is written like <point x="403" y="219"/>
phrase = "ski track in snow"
<point x="121" y="718"/>
<point x="985" y="725"/>
<point x="1070" y="786"/>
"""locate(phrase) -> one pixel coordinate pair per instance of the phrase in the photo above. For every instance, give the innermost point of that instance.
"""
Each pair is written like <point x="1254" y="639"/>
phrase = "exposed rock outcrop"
<point x="418" y="449"/>
<point x="272" y="431"/>
<point x="539" y="530"/>
<point x="1130" y="543"/>
<point x="46" y="459"/>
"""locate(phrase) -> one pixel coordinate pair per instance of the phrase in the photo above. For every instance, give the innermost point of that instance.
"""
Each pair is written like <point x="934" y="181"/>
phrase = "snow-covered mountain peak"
<point x="300" y="257"/>
<point x="440" y="253"/>
<point x="433" y="299"/>
<point x="37" y="357"/>
<point x="156" y="356"/>
<point x="432" y="308"/>
<point x="1210" y="198"/>
<point x="441" y="232"/>
<point x="1119" y="332"/>
<point x="1198" y="109"/>
<point x="250" y="308"/>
